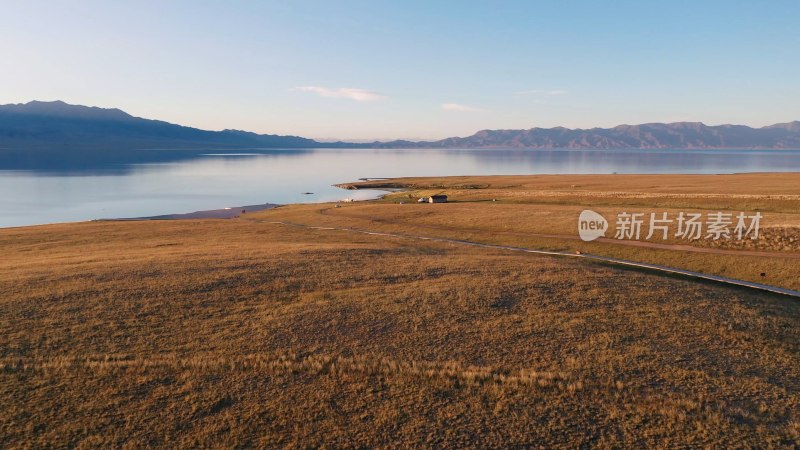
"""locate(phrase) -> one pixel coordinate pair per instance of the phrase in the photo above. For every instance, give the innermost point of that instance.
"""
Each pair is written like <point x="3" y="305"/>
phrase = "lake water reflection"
<point x="215" y="179"/>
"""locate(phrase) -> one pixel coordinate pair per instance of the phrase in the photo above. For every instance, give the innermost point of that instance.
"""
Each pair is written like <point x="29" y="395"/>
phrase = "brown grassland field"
<point x="247" y="333"/>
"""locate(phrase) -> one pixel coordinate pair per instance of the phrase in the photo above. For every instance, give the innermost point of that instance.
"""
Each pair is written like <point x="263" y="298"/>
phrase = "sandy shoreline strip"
<point x="223" y="213"/>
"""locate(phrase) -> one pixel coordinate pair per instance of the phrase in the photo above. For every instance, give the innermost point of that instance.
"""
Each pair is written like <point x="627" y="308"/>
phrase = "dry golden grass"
<point x="528" y="207"/>
<point x="243" y="333"/>
<point x="768" y="191"/>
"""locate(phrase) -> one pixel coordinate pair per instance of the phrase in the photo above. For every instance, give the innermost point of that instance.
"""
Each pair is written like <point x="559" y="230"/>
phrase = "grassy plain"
<point x="247" y="333"/>
<point x="542" y="211"/>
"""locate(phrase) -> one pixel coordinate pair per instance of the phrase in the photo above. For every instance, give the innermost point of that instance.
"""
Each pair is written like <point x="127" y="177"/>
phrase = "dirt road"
<point x="573" y="237"/>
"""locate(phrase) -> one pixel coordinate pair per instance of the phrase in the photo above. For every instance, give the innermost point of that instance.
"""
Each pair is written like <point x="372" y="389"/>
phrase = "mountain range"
<point x="57" y="125"/>
<point x="48" y="124"/>
<point x="680" y="135"/>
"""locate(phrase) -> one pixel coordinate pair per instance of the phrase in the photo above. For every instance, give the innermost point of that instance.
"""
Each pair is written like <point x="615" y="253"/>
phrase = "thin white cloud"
<point x="549" y="93"/>
<point x="359" y="95"/>
<point x="459" y="107"/>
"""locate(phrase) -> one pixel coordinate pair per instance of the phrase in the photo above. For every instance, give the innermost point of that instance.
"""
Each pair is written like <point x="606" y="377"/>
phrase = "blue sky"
<point x="410" y="69"/>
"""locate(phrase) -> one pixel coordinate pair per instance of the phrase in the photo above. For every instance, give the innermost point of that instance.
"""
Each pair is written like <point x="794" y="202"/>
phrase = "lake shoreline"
<point x="210" y="182"/>
<point x="221" y="213"/>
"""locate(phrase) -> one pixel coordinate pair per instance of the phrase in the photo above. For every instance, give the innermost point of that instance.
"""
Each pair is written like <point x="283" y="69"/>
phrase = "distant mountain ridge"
<point x="54" y="125"/>
<point x="58" y="124"/>
<point x="680" y="135"/>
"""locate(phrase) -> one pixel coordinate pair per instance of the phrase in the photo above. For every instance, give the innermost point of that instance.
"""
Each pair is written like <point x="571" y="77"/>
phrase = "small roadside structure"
<point x="438" y="198"/>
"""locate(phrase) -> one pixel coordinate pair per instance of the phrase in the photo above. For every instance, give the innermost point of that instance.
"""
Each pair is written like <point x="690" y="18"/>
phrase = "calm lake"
<point x="169" y="182"/>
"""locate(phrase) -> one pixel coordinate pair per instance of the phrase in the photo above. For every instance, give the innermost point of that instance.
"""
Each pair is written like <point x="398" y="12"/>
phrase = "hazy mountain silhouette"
<point x="59" y="136"/>
<point x="63" y="138"/>
<point x="680" y="135"/>
<point x="57" y="124"/>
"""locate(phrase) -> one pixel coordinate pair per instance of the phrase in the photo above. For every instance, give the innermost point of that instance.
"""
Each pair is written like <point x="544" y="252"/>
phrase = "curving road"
<point x="654" y="245"/>
<point x="622" y="262"/>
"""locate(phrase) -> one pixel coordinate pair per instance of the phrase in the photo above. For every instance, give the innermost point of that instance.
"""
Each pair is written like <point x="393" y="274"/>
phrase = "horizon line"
<point x="329" y="139"/>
